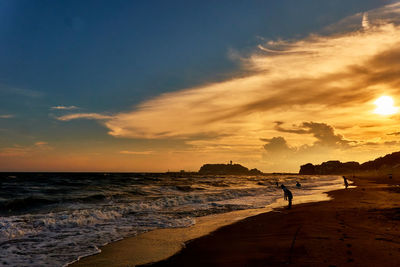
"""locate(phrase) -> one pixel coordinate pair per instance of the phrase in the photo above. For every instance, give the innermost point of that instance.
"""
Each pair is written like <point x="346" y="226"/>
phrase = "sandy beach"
<point x="358" y="227"/>
<point x="180" y="133"/>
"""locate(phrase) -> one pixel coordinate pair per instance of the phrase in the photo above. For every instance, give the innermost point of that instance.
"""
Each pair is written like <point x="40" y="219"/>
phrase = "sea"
<point x="52" y="219"/>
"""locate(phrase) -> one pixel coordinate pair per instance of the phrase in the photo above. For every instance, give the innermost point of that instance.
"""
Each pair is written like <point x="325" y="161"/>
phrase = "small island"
<point x="227" y="169"/>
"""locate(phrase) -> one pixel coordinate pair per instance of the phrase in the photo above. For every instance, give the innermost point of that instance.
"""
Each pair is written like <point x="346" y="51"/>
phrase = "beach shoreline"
<point x="160" y="244"/>
<point x="358" y="227"/>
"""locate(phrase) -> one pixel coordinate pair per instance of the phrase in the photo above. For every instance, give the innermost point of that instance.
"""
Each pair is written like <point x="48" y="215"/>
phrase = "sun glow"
<point x="385" y="106"/>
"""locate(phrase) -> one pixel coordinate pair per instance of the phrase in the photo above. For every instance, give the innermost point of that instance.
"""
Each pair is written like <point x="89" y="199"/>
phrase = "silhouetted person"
<point x="346" y="184"/>
<point x="287" y="195"/>
<point x="298" y="184"/>
<point x="277" y="185"/>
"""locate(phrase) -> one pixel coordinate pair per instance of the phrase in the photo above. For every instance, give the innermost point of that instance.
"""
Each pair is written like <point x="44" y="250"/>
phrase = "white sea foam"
<point x="56" y="237"/>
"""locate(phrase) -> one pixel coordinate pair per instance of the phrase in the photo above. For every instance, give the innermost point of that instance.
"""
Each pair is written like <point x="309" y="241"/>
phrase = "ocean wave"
<point x="57" y="238"/>
<point x="23" y="204"/>
<point x="72" y="223"/>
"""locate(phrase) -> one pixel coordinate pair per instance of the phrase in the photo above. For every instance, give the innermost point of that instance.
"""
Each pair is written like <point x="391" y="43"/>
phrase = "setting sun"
<point x="385" y="106"/>
<point x="193" y="133"/>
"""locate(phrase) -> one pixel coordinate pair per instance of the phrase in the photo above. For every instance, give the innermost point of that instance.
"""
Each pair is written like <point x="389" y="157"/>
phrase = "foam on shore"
<point x="160" y="244"/>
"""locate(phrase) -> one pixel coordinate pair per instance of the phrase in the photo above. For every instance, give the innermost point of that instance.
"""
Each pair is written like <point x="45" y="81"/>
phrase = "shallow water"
<point x="52" y="219"/>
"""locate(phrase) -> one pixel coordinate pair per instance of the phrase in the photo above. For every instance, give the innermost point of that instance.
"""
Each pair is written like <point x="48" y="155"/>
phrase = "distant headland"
<point x="384" y="165"/>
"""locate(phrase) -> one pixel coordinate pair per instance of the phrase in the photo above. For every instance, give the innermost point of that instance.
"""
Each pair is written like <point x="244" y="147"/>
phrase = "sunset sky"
<point x="171" y="85"/>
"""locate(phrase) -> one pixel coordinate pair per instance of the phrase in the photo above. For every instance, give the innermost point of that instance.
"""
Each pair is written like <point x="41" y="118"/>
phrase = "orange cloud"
<point x="136" y="152"/>
<point x="331" y="79"/>
<point x="330" y="75"/>
<point x="64" y="107"/>
<point x="92" y="116"/>
<point x="20" y="151"/>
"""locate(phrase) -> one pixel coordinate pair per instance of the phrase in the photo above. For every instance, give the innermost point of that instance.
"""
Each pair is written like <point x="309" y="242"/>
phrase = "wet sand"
<point x="359" y="227"/>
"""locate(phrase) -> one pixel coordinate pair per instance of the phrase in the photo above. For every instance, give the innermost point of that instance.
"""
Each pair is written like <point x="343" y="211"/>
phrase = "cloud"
<point x="332" y="78"/>
<point x="392" y="143"/>
<point x="380" y="16"/>
<point x="395" y="133"/>
<point x="20" y="151"/>
<point x="6" y="116"/>
<point x="365" y="21"/>
<point x="13" y="151"/>
<point x="41" y="144"/>
<point x="90" y="116"/>
<point x="333" y="75"/>
<point x="277" y="145"/>
<point x="4" y="89"/>
<point x="371" y="144"/>
<point x="64" y="107"/>
<point x="325" y="145"/>
<point x="136" y="152"/>
<point x="323" y="132"/>
<point x="378" y="144"/>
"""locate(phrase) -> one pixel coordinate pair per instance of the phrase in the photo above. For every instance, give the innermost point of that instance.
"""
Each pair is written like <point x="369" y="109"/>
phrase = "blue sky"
<point x="74" y="51"/>
<point x="109" y="56"/>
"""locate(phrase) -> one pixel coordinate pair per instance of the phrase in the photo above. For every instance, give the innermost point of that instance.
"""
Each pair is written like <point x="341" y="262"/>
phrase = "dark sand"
<point x="359" y="227"/>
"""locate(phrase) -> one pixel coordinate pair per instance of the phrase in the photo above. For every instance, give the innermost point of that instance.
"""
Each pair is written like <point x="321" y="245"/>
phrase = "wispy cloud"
<point x="64" y="107"/>
<point x="128" y="152"/>
<point x="332" y="79"/>
<point x="19" y="151"/>
<point x="333" y="76"/>
<point x="5" y="89"/>
<point x="6" y="116"/>
<point x="90" y="116"/>
<point x="14" y="151"/>
<point x="365" y="22"/>
<point x="41" y="144"/>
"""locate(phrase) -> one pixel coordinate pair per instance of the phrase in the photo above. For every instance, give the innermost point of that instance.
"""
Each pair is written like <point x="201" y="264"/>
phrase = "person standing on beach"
<point x="287" y="195"/>
<point x="346" y="184"/>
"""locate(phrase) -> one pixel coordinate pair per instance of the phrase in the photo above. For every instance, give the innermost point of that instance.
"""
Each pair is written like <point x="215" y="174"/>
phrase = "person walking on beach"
<point x="287" y="195"/>
<point x="346" y="184"/>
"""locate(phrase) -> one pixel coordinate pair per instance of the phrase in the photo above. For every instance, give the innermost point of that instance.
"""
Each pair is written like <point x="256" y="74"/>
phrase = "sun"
<point x="385" y="106"/>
